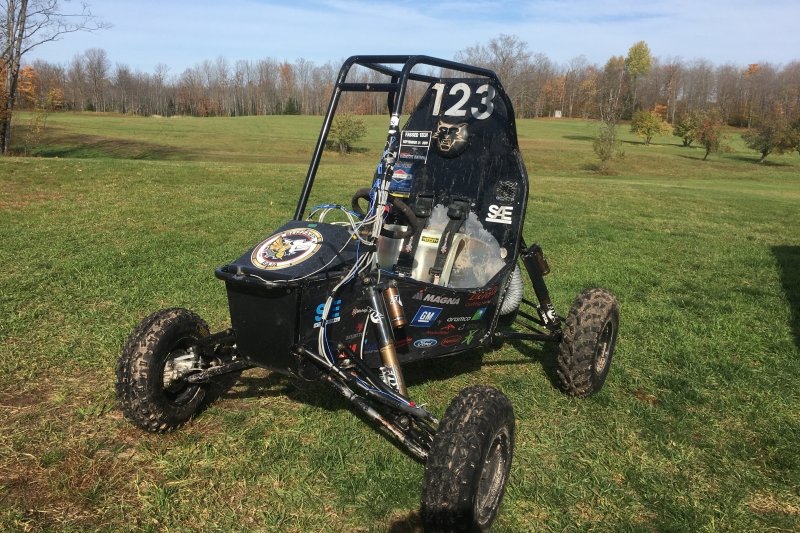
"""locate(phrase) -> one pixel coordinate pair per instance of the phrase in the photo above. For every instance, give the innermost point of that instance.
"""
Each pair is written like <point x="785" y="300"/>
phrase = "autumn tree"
<point x="346" y="130"/>
<point x="611" y="89"/>
<point x="27" y="87"/>
<point x="606" y="145"/>
<point x="648" y="124"/>
<point x="796" y="133"/>
<point x="686" y="128"/>
<point x="773" y="135"/>
<point x="709" y="132"/>
<point x="27" y="24"/>
<point x="638" y="63"/>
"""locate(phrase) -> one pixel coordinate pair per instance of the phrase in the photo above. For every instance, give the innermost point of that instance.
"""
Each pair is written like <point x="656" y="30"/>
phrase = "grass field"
<point x="697" y="428"/>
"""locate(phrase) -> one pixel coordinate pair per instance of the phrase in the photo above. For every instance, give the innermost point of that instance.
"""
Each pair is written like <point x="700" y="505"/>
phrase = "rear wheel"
<point x="587" y="346"/>
<point x="469" y="462"/>
<point x="159" y="354"/>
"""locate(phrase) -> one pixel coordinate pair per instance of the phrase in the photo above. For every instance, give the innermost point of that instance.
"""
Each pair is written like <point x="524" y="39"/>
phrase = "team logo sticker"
<point x="451" y="139"/>
<point x="286" y="249"/>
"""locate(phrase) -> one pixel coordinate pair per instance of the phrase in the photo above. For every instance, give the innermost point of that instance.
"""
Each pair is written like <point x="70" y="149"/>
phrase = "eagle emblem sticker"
<point x="286" y="249"/>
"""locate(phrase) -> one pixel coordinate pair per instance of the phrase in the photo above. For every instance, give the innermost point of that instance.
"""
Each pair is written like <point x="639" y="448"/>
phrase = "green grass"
<point x="696" y="429"/>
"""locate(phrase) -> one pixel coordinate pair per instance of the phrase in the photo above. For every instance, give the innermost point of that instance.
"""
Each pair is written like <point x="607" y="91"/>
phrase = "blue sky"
<point x="183" y="33"/>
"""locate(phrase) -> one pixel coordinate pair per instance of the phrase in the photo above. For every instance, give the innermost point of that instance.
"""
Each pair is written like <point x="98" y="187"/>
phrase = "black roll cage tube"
<point x="396" y="94"/>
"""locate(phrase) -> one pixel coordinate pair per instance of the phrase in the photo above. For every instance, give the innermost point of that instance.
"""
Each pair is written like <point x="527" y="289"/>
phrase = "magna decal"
<point x="436" y="299"/>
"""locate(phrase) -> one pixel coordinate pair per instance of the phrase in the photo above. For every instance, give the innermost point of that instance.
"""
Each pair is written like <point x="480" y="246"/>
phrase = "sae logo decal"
<point x="333" y="313"/>
<point x="426" y="316"/>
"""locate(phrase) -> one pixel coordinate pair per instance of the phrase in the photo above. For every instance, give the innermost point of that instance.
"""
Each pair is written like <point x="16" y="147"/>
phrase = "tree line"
<point x="538" y="87"/>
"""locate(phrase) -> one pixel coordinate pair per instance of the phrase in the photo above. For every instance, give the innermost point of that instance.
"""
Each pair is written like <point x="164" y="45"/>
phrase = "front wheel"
<point x="588" y="342"/>
<point x="469" y="462"/>
<point x="159" y="354"/>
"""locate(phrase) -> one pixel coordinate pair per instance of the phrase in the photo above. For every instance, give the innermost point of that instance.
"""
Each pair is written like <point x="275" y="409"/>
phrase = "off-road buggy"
<point x="425" y="264"/>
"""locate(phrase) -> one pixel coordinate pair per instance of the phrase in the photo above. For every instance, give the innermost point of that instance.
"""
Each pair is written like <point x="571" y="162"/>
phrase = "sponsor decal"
<point x="452" y="340"/>
<point x="500" y="214"/>
<point x="396" y="300"/>
<point x="359" y="331"/>
<point x="449" y="328"/>
<point x="436" y="298"/>
<point x="369" y="347"/>
<point x="333" y="313"/>
<point x="414" y="146"/>
<point x="426" y="316"/>
<point x="402" y="343"/>
<point x="425" y="343"/>
<point x="286" y="249"/>
<point x="402" y="178"/>
<point x="375" y="317"/>
<point x="430" y="240"/>
<point x="459" y="319"/>
<point x="468" y="337"/>
<point x="481" y="297"/>
<point x="478" y="314"/>
<point x="360" y="311"/>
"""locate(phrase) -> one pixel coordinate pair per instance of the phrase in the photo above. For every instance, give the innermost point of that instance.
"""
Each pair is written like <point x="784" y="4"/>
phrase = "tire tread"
<point x="582" y="328"/>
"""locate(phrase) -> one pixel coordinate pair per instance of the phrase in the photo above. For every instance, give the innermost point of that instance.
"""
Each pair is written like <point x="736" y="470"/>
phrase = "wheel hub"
<point x="604" y="347"/>
<point x="493" y="478"/>
<point x="182" y="363"/>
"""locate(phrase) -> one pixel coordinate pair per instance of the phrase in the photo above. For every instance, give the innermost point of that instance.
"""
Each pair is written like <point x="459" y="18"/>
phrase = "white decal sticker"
<point x="459" y="109"/>
<point x="500" y="214"/>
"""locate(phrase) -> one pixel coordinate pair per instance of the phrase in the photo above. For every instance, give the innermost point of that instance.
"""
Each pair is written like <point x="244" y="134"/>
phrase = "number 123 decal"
<point x="459" y="109"/>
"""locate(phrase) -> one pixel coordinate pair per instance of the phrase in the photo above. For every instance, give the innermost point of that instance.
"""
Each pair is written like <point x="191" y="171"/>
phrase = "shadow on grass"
<point x="266" y="384"/>
<point x="263" y="383"/>
<point x="578" y="137"/>
<point x="754" y="160"/>
<point x="90" y="146"/>
<point x="407" y="524"/>
<point x="543" y="352"/>
<point x="694" y="157"/>
<point x="788" y="258"/>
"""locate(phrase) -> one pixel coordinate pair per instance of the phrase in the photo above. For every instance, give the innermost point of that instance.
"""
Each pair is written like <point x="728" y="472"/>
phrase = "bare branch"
<point x="26" y="25"/>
